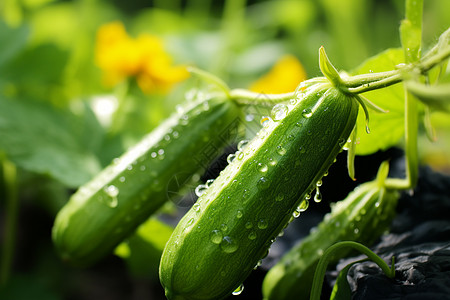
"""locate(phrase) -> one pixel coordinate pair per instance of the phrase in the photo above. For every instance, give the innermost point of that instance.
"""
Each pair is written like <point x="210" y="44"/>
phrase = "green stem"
<point x="433" y="60"/>
<point x="327" y="255"/>
<point x="410" y="33"/>
<point x="245" y="97"/>
<point x="12" y="206"/>
<point x="358" y="80"/>
<point x="370" y="86"/>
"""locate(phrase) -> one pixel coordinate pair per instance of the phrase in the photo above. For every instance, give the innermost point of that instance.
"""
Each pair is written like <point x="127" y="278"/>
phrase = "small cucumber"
<point x="220" y="240"/>
<point x="111" y="206"/>
<point x="362" y="216"/>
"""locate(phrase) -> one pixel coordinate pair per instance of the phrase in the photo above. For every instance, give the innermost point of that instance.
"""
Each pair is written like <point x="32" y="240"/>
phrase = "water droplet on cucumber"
<point x="262" y="224"/>
<point x="307" y="113"/>
<point x="216" y="236"/>
<point x="279" y="112"/>
<point x="239" y="290"/>
<point x="228" y="245"/>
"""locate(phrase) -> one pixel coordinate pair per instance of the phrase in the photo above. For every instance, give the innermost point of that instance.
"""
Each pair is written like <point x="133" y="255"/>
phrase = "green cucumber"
<point x="111" y="206"/>
<point x="363" y="216"/>
<point x="220" y="240"/>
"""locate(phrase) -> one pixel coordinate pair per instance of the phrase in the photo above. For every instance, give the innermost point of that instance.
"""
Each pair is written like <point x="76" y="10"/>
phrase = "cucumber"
<point x="110" y="207"/>
<point x="220" y="240"/>
<point x="363" y="216"/>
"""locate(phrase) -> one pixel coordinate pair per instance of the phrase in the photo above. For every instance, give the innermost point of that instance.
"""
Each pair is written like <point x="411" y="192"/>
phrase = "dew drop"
<point x="200" y="189"/>
<point x="239" y="290"/>
<point x="299" y="124"/>
<point x="242" y="144"/>
<point x="142" y="168"/>
<point x="239" y="214"/>
<point x="184" y="120"/>
<point x="293" y="101"/>
<point x="216" y="236"/>
<point x="319" y="183"/>
<point x="231" y="157"/>
<point x="154" y="154"/>
<point x="240" y="156"/>
<point x="196" y="207"/>
<point x="248" y="225"/>
<point x="279" y="112"/>
<point x="281" y="150"/>
<point x="272" y="162"/>
<point x="111" y="191"/>
<point x="161" y="154"/>
<point x="228" y="245"/>
<point x="303" y="205"/>
<point x="262" y="167"/>
<point x="167" y="137"/>
<point x="190" y="222"/>
<point x="122" y="179"/>
<point x="262" y="224"/>
<point x="296" y="214"/>
<point x="317" y="196"/>
<point x="307" y="113"/>
<point x="249" y="117"/>
<point x="224" y="227"/>
<point x="252" y="235"/>
<point x="263" y="183"/>
<point x="209" y="182"/>
<point x="265" y="121"/>
<point x="175" y="134"/>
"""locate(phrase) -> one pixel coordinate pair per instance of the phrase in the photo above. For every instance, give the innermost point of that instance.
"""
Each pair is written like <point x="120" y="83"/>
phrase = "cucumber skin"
<point x="194" y="267"/>
<point x="87" y="228"/>
<point x="369" y="209"/>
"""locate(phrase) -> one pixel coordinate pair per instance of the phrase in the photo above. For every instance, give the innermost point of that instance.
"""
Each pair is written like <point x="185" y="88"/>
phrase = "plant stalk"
<point x="323" y="263"/>
<point x="410" y="33"/>
<point x="10" y="226"/>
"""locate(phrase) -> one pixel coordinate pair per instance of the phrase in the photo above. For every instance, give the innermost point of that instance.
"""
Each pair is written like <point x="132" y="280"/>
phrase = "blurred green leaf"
<point x="143" y="250"/>
<point x="13" y="41"/>
<point x="386" y="129"/>
<point x="41" y="64"/>
<point x="56" y="142"/>
<point x="436" y="96"/>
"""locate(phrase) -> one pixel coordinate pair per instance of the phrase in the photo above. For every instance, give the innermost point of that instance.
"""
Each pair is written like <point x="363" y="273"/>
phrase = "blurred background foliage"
<point x="61" y="122"/>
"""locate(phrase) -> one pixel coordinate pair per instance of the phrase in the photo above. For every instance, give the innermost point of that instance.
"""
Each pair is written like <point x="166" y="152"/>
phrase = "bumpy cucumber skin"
<point x="111" y="206"/>
<point x="362" y="216"/>
<point x="220" y="240"/>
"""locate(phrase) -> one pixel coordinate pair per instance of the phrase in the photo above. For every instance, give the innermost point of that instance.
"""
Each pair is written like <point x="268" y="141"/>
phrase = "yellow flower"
<point x="284" y="77"/>
<point x="121" y="56"/>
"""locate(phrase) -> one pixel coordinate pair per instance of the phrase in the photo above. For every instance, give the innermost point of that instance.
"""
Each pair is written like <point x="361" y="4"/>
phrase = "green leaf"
<point x="386" y="129"/>
<point x="435" y="96"/>
<point x="143" y="250"/>
<point x="14" y="38"/>
<point x="57" y="142"/>
<point x="341" y="289"/>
